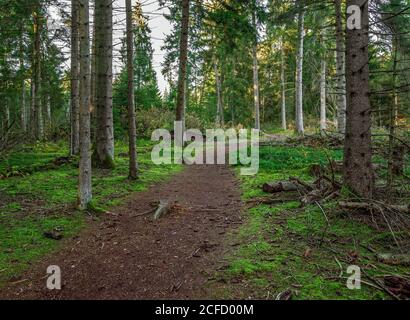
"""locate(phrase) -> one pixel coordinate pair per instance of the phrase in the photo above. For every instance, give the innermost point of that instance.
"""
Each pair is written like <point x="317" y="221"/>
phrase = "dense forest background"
<point x="222" y="37"/>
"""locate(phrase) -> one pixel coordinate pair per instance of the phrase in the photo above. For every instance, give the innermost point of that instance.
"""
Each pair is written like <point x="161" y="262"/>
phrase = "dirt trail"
<point x="126" y="256"/>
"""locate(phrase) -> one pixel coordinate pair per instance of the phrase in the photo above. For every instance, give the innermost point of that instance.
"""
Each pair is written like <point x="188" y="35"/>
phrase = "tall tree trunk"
<point x="23" y="112"/>
<point x="32" y="123"/>
<point x="256" y="97"/>
<point x="358" y="175"/>
<point x="104" y="150"/>
<point x="323" y="69"/>
<point x="299" y="71"/>
<point x="93" y="84"/>
<point x="132" y="132"/>
<point x="75" y="79"/>
<point x="38" y="116"/>
<point x="340" y="68"/>
<point x="219" y="109"/>
<point x="183" y="61"/>
<point x="85" y="185"/>
<point x="7" y="115"/>
<point x="393" y="118"/>
<point x="323" y="120"/>
<point x="283" y="86"/>
<point x="48" y="110"/>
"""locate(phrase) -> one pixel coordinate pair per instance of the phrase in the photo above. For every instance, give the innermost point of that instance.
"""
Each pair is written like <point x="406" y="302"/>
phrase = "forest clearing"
<point x="258" y="151"/>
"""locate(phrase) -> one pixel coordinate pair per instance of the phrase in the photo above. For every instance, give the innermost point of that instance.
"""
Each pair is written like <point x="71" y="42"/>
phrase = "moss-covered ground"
<point x="284" y="247"/>
<point x="42" y="196"/>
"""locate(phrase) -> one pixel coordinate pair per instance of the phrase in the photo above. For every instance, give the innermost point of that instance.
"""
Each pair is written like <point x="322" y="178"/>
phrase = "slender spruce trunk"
<point x="132" y="132"/>
<point x="256" y="93"/>
<point x="323" y="69"/>
<point x="183" y="62"/>
<point x="23" y="111"/>
<point x="299" y="71"/>
<point x="219" y="108"/>
<point x="38" y="116"/>
<point x="75" y="79"/>
<point x="393" y="118"/>
<point x="85" y="170"/>
<point x="283" y="86"/>
<point x="340" y="68"/>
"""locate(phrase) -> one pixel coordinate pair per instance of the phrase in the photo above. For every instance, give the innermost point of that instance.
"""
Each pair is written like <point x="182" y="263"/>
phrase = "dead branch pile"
<point x="394" y="218"/>
<point x="323" y="189"/>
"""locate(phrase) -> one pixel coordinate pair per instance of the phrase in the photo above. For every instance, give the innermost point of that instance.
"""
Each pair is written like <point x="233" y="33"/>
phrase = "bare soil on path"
<point x="126" y="255"/>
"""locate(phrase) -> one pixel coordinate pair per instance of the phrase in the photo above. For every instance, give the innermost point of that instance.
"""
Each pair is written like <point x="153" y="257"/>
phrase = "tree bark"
<point x="219" y="110"/>
<point x="358" y="173"/>
<point x="323" y="120"/>
<point x="75" y="80"/>
<point x="299" y="71"/>
<point x="256" y="93"/>
<point x="183" y="61"/>
<point x="392" y="119"/>
<point x="23" y="111"/>
<point x="32" y="123"/>
<point x="283" y="86"/>
<point x="104" y="149"/>
<point x="93" y="85"/>
<point x="340" y="69"/>
<point x="85" y="186"/>
<point x="7" y="115"/>
<point x="132" y="132"/>
<point x="38" y="119"/>
<point x="323" y="69"/>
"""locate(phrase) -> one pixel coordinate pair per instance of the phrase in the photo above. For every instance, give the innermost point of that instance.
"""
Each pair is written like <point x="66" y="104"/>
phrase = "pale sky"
<point x="159" y="27"/>
<point x="157" y="22"/>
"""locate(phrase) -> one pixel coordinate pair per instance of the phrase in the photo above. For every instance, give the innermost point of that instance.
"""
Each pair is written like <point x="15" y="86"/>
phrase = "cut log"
<point x="369" y="206"/>
<point x="394" y="259"/>
<point x="163" y="208"/>
<point x="281" y="186"/>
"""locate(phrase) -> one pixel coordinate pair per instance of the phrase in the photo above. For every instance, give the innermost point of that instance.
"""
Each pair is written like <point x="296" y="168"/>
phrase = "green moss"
<point x="23" y="241"/>
<point x="21" y="231"/>
<point x="282" y="247"/>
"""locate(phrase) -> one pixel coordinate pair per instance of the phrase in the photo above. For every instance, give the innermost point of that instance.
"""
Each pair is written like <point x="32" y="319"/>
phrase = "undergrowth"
<point x="288" y="248"/>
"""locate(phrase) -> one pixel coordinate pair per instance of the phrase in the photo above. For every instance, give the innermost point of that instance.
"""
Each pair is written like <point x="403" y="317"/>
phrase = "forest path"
<point x="126" y="256"/>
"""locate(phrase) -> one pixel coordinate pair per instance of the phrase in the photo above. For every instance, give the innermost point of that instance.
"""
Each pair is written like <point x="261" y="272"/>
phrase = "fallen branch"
<point x="302" y="183"/>
<point x="268" y="201"/>
<point x="372" y="206"/>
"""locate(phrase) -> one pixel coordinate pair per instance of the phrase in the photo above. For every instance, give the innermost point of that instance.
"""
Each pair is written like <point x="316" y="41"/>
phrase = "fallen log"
<point x="281" y="186"/>
<point x="394" y="259"/>
<point x="268" y="201"/>
<point x="374" y="206"/>
<point x="163" y="208"/>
